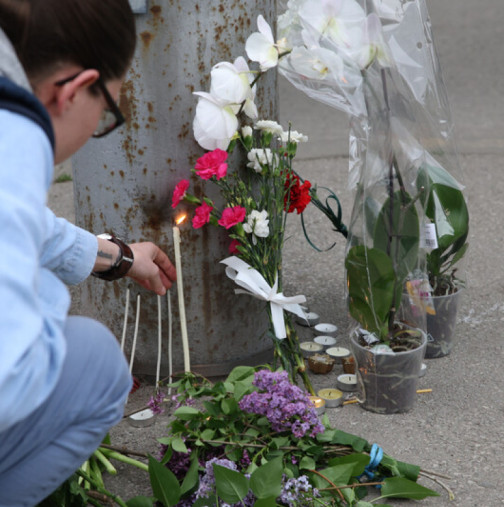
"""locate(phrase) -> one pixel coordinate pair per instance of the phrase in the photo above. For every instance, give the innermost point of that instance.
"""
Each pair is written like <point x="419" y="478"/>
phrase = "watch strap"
<point x="122" y="264"/>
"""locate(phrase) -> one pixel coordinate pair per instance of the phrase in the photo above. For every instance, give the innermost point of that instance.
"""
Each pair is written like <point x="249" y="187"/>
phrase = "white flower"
<point x="332" y="18"/>
<point x="259" y="157"/>
<point x="246" y="131"/>
<point x="231" y="82"/>
<point x="317" y="63"/>
<point x="269" y="126"/>
<point x="372" y="44"/>
<point x="257" y="225"/>
<point x="215" y="123"/>
<point x="260" y="46"/>
<point x="293" y="136"/>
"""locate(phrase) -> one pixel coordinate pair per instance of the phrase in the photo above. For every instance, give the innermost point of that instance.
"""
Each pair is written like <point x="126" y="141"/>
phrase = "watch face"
<point x="105" y="235"/>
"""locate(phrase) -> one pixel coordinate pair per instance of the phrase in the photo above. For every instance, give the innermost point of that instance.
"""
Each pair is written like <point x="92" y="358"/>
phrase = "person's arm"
<point x="144" y="262"/>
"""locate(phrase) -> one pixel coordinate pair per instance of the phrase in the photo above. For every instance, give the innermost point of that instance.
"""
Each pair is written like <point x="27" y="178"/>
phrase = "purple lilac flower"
<point x="179" y="401"/>
<point x="155" y="403"/>
<point x="298" y="492"/>
<point x="286" y="406"/>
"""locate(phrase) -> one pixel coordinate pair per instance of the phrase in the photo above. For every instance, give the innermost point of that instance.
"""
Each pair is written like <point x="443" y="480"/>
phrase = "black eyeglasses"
<point x="111" y="117"/>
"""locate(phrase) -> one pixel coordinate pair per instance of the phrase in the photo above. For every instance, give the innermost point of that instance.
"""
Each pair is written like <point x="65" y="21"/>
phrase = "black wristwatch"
<point x="122" y="264"/>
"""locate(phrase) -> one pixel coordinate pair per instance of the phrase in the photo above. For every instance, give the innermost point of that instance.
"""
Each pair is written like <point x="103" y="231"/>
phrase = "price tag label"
<point x="428" y="238"/>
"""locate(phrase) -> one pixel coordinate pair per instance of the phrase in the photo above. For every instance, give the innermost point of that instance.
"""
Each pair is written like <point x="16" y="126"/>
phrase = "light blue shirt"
<point x="39" y="254"/>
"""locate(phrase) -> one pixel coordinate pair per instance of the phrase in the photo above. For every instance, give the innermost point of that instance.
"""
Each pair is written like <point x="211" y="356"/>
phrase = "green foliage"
<point x="372" y="282"/>
<point x="332" y="460"/>
<point x="62" y="178"/>
<point x="446" y="207"/>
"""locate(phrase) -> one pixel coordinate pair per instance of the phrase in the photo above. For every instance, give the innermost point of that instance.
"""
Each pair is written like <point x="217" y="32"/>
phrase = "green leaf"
<point x="266" y="481"/>
<point x="307" y="463"/>
<point x="241" y="388"/>
<point x="398" y="487"/>
<point x="140" y="501"/>
<point x="178" y="445"/>
<point x="399" y="238"/>
<point x="187" y="413"/>
<point x="240" y="373"/>
<point x="358" y="462"/>
<point x="229" y="406"/>
<point x="371" y="282"/>
<point x="232" y="486"/>
<point x="165" y="485"/>
<point x="191" y="476"/>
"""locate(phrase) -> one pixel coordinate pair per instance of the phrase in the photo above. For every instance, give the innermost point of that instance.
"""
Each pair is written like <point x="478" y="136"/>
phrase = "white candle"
<point x="310" y="348"/>
<point x="318" y="403"/>
<point x="325" y="341"/>
<point x="180" y="293"/>
<point x="311" y="319"/>
<point x="347" y="382"/>
<point x="338" y="352"/>
<point x="141" y="419"/>
<point x="332" y="397"/>
<point x="326" y="329"/>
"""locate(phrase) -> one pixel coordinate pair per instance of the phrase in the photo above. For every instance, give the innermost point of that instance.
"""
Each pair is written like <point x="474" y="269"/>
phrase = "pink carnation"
<point x="201" y="215"/>
<point x="232" y="216"/>
<point x="211" y="164"/>
<point x="179" y="192"/>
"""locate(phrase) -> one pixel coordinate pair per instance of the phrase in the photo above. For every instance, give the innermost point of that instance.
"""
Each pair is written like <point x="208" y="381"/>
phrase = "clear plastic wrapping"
<point x="375" y="60"/>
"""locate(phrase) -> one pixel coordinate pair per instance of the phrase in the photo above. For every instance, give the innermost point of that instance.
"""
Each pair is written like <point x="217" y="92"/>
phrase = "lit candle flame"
<point x="180" y="219"/>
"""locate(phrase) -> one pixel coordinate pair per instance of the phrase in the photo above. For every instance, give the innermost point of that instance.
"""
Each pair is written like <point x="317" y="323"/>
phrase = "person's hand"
<point x="152" y="268"/>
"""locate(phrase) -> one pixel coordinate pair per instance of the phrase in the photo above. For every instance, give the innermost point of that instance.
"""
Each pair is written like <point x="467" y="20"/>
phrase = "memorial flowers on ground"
<point x="256" y="439"/>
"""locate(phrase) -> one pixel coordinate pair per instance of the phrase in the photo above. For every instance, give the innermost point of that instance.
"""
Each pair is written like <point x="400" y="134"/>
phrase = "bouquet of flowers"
<point x="258" y="196"/>
<point x="255" y="439"/>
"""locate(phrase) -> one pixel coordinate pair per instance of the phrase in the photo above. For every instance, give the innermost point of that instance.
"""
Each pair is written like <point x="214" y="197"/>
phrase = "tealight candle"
<point x="325" y="341"/>
<point x="347" y="382"/>
<point x="141" y="419"/>
<point x="326" y="329"/>
<point x="338" y="352"/>
<point x="332" y="397"/>
<point x="311" y="319"/>
<point x="319" y="404"/>
<point x="310" y="348"/>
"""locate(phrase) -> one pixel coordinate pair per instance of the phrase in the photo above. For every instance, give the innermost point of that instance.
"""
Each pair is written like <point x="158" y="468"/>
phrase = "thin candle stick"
<point x="180" y="293"/>
<point x="158" y="366"/>
<point x="125" y="323"/>
<point x="170" y="361"/>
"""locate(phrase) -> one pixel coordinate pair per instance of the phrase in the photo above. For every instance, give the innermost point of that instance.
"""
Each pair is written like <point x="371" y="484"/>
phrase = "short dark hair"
<point x="97" y="34"/>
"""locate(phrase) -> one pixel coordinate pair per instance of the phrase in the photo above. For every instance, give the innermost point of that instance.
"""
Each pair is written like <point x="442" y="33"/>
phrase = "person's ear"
<point x="63" y="96"/>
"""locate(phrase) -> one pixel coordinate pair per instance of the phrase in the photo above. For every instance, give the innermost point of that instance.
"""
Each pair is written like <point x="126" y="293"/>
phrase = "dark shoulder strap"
<point x="16" y="99"/>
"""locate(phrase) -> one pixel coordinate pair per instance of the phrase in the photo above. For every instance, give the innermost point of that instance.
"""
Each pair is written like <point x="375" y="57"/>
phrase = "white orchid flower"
<point x="231" y="82"/>
<point x="258" y="157"/>
<point x="372" y="45"/>
<point x="215" y="122"/>
<point x="317" y="63"/>
<point x="269" y="126"/>
<point x="260" y="46"/>
<point x="257" y="224"/>
<point x="332" y="18"/>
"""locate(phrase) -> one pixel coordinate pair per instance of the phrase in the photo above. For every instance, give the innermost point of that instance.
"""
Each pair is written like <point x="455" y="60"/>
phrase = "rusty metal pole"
<point x="124" y="183"/>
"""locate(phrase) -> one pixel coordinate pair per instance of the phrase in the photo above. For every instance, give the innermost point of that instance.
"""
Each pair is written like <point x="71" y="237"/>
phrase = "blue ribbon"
<point x="375" y="457"/>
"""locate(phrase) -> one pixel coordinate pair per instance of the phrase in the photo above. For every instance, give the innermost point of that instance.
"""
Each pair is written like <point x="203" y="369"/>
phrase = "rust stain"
<point x="146" y="37"/>
<point x="121" y="173"/>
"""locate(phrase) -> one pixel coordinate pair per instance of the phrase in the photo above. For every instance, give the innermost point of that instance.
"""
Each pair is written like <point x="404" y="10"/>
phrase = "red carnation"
<point x="297" y="196"/>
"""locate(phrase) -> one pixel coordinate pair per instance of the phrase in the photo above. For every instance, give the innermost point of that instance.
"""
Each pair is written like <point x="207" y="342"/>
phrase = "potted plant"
<point x="446" y="208"/>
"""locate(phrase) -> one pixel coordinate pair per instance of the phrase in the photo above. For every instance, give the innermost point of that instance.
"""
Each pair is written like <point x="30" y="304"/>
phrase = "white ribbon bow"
<point x="255" y="285"/>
